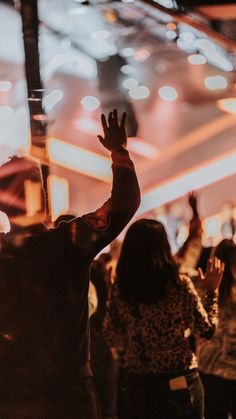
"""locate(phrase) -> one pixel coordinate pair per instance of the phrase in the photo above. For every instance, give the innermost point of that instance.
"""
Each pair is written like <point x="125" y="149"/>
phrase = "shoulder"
<point x="99" y="220"/>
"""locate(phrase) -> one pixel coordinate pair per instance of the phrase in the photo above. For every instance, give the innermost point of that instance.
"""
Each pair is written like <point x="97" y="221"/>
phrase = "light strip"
<point x="59" y="195"/>
<point x="142" y="148"/>
<point x="78" y="159"/>
<point x="200" y="176"/>
<point x="228" y="105"/>
<point x="193" y="138"/>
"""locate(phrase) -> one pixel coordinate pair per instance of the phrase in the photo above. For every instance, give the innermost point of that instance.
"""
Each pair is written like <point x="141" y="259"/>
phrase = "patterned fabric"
<point x="218" y="356"/>
<point x="155" y="337"/>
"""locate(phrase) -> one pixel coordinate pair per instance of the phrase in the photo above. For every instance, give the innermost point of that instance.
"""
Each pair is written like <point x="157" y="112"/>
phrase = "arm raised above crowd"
<point x="190" y="251"/>
<point x="95" y="230"/>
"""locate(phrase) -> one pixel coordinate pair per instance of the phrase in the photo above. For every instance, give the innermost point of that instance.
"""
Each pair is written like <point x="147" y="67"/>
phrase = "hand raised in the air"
<point x="213" y="276"/>
<point x="114" y="133"/>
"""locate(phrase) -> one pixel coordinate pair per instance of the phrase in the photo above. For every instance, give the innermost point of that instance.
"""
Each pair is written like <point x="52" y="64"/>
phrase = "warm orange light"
<point x="78" y="159"/>
<point x="171" y="26"/>
<point x="142" y="148"/>
<point x="32" y="197"/>
<point x="59" y="196"/>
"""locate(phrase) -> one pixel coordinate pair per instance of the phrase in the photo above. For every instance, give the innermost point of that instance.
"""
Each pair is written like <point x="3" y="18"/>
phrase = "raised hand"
<point x="192" y="200"/>
<point x="195" y="227"/>
<point x="114" y="133"/>
<point x="213" y="276"/>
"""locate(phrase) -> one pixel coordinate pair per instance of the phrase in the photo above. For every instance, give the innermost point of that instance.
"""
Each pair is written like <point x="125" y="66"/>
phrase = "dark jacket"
<point x="49" y="351"/>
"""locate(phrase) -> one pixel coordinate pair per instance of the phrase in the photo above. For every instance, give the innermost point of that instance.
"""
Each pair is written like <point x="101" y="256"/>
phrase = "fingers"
<point x="104" y="123"/>
<point x="215" y="266"/>
<point x="101" y="139"/>
<point x="113" y="120"/>
<point x="209" y="267"/>
<point x="123" y="120"/>
<point x="115" y="116"/>
<point x="200" y="273"/>
<point x="110" y="118"/>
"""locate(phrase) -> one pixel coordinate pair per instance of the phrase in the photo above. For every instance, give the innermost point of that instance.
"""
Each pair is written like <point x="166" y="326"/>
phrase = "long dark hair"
<point x="145" y="264"/>
<point x="226" y="252"/>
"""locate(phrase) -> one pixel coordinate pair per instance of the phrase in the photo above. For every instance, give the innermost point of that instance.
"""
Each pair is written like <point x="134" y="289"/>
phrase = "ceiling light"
<point x="142" y="54"/>
<point x="186" y="41"/>
<point x="86" y="125"/>
<point x="127" y="52"/>
<point x="65" y="43"/>
<point x="166" y="3"/>
<point x="52" y="65"/>
<point x="197" y="59"/>
<point x="171" y="35"/>
<point x="212" y="226"/>
<point x="214" y="54"/>
<point x="52" y="98"/>
<point x="5" y="86"/>
<point x="90" y="103"/>
<point x="100" y="35"/>
<point x="215" y="82"/>
<point x="227" y="105"/>
<point x="78" y="11"/>
<point x="168" y="93"/>
<point x="187" y="37"/>
<point x="139" y="92"/>
<point x="130" y="83"/>
<point x="80" y="160"/>
<point x="126" y="69"/>
<point x="110" y="15"/>
<point x="14" y="125"/>
<point x="142" y="148"/>
<point x="171" y="26"/>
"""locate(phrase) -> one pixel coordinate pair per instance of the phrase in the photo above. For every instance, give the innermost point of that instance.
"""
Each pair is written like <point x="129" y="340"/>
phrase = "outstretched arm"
<point x="95" y="230"/>
<point x="203" y="313"/>
<point x="190" y="251"/>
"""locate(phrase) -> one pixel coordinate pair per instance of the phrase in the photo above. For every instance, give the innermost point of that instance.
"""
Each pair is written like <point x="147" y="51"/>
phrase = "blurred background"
<point x="169" y="65"/>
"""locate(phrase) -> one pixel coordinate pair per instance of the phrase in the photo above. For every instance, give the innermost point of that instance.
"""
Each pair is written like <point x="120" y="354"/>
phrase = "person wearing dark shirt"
<point x="49" y="374"/>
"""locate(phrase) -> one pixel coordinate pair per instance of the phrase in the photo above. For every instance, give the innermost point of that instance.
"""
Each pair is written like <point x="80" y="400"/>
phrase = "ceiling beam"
<point x="220" y="39"/>
<point x="197" y="177"/>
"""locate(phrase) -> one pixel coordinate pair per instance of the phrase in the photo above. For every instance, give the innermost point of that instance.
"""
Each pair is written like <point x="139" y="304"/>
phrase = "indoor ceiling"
<point x="167" y="69"/>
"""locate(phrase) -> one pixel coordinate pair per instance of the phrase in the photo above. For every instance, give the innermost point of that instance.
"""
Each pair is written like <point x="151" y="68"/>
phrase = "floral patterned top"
<point x="155" y="337"/>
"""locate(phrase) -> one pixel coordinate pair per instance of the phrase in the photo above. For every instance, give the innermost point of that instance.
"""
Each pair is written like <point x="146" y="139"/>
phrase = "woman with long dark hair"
<point x="151" y="314"/>
<point x="217" y="357"/>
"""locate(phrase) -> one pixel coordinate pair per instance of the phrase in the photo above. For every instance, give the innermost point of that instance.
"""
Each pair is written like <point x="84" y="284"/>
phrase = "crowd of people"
<point x="150" y="335"/>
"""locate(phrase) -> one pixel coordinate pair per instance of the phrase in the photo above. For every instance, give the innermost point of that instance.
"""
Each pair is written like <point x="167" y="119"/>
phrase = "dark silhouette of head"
<point x="145" y="264"/>
<point x="226" y="252"/>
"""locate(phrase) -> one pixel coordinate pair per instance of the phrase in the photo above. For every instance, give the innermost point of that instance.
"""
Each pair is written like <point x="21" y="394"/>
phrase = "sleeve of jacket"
<point x="203" y="314"/>
<point x="93" y="231"/>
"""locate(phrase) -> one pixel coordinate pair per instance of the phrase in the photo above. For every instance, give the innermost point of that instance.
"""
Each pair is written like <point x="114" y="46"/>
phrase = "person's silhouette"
<point x="52" y="377"/>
